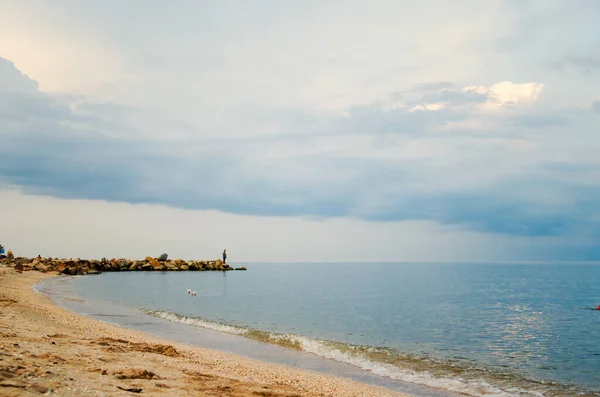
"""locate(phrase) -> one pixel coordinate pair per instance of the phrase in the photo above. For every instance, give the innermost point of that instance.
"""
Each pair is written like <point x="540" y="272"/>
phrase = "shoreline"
<point x="47" y="348"/>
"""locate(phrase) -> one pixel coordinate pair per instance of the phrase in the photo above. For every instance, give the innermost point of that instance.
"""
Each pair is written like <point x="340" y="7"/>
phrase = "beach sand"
<point x="47" y="349"/>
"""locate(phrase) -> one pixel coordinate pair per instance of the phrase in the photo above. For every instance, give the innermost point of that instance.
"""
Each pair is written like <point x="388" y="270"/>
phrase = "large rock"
<point x="86" y="266"/>
<point x="60" y="267"/>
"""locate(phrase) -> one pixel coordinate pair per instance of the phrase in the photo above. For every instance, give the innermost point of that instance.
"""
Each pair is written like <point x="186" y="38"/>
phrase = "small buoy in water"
<point x="598" y="307"/>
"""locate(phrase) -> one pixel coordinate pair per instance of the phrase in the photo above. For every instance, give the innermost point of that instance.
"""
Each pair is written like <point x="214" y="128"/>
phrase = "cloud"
<point x="57" y="227"/>
<point x="378" y="163"/>
<point x="579" y="64"/>
<point x="385" y="114"/>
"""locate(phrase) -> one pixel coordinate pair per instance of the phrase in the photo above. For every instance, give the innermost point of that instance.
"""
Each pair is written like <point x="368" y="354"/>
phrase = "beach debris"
<point x="131" y="389"/>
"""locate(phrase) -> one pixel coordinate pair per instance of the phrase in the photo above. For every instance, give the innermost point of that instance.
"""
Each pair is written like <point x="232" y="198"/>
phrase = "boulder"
<point x="154" y="263"/>
<point x="163" y="257"/>
<point x="60" y="267"/>
<point x="42" y="268"/>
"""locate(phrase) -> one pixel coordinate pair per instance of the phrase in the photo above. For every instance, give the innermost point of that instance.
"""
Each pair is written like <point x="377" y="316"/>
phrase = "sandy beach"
<point x="45" y="349"/>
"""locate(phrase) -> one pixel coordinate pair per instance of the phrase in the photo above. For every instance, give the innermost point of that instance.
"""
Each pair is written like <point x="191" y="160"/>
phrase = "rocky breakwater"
<point x="91" y="266"/>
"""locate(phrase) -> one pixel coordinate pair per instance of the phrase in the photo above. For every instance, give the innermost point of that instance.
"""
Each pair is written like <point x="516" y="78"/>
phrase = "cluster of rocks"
<point x="91" y="266"/>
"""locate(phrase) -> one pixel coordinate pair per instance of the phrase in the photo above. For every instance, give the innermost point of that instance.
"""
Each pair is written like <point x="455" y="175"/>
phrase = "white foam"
<point x="479" y="388"/>
<point x="200" y="323"/>
<point x="476" y="388"/>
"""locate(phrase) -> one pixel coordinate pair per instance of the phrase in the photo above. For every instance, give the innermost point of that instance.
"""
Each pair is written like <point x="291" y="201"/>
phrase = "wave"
<point x="452" y="375"/>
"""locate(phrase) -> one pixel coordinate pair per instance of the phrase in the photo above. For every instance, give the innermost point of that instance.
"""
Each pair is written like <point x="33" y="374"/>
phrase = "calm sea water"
<point x="479" y="329"/>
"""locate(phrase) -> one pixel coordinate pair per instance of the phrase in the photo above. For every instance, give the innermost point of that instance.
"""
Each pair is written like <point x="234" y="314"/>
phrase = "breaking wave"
<point x="455" y="375"/>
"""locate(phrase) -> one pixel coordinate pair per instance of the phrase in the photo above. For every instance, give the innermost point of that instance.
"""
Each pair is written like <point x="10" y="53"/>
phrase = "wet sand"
<point x="47" y="349"/>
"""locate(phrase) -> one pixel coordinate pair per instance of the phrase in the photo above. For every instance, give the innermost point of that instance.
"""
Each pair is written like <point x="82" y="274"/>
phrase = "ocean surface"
<point x="428" y="329"/>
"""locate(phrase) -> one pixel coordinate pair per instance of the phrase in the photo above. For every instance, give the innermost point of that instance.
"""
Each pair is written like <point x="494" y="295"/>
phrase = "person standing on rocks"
<point x="224" y="256"/>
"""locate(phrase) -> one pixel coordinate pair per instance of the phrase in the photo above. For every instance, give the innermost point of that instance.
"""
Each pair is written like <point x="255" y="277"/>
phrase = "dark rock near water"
<point x="91" y="266"/>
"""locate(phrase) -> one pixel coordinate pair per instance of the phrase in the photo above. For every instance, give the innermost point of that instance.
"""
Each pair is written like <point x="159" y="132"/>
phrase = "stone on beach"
<point x="79" y="266"/>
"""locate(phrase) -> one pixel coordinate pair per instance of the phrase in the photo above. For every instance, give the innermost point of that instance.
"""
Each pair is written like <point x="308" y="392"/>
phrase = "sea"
<point x="428" y="329"/>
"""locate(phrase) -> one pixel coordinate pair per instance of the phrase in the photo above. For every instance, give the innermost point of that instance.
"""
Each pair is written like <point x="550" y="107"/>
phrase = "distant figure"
<point x="189" y="291"/>
<point x="224" y="256"/>
<point x="193" y="293"/>
<point x="2" y="256"/>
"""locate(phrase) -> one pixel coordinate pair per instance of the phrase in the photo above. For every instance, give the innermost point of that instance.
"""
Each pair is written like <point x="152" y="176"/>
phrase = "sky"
<point x="301" y="130"/>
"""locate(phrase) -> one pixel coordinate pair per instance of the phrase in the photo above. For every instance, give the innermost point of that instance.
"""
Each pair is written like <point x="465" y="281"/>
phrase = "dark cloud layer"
<point x="49" y="148"/>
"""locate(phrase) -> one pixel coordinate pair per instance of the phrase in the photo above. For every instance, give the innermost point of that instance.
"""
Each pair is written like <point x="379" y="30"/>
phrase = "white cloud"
<point x="507" y="93"/>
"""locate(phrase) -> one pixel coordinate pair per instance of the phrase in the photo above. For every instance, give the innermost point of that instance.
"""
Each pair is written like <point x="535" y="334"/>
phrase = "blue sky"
<point x="389" y="127"/>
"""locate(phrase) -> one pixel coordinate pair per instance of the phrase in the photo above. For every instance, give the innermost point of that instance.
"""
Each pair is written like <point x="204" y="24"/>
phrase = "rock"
<point x="148" y="258"/>
<point x="241" y="268"/>
<point x="90" y="266"/>
<point x="39" y="388"/>
<point x="131" y="389"/>
<point x="163" y="257"/>
<point x="154" y="263"/>
<point x="13" y="383"/>
<point x="132" y="373"/>
<point x="42" y="268"/>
